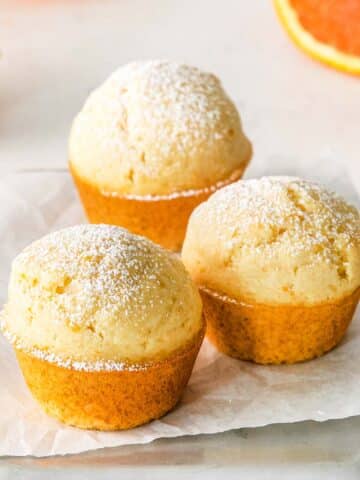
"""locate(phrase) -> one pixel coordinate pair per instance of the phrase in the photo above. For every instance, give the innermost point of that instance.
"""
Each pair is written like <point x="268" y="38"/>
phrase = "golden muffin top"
<point x="156" y="128"/>
<point x="275" y="240"/>
<point x="100" y="295"/>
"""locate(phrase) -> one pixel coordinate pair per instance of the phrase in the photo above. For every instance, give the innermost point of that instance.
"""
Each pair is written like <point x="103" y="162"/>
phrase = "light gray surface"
<point x="295" y="111"/>
<point x="299" y="451"/>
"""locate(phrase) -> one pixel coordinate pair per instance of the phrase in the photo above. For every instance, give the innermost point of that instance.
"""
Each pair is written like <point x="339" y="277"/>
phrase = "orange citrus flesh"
<point x="328" y="30"/>
<point x="334" y="22"/>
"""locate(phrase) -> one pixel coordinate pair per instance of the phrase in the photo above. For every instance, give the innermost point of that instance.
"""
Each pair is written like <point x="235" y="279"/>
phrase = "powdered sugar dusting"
<point x="180" y="102"/>
<point x="90" y="293"/>
<point x="84" y="366"/>
<point x="173" y="196"/>
<point x="88" y="269"/>
<point x="263" y="212"/>
<point x="157" y="127"/>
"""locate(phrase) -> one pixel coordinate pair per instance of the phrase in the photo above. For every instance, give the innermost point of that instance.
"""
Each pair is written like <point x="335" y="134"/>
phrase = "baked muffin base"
<point x="275" y="334"/>
<point x="109" y="400"/>
<point x="163" y="219"/>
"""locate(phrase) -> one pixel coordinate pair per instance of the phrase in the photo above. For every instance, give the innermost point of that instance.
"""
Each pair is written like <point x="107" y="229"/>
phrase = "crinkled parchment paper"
<point x="223" y="393"/>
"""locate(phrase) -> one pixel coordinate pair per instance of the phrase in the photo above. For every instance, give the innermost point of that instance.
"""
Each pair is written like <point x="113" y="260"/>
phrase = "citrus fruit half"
<point x="328" y="30"/>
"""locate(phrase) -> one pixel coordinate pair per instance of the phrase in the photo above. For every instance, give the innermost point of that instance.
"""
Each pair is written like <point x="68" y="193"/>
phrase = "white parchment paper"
<point x="223" y="393"/>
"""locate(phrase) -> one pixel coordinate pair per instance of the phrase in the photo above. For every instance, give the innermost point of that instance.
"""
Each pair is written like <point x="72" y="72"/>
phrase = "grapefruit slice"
<point x="328" y="30"/>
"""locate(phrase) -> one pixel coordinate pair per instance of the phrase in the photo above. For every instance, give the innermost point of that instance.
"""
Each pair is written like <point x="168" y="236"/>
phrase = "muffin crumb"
<point x="271" y="232"/>
<point x="96" y="293"/>
<point x="173" y="125"/>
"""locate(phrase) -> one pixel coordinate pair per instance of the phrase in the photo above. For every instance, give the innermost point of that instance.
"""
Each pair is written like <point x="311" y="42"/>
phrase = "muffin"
<point x="105" y="324"/>
<point x="153" y="142"/>
<point x="277" y="260"/>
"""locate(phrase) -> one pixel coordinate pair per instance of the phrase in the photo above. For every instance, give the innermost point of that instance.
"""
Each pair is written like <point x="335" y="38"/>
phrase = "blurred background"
<point x="298" y="113"/>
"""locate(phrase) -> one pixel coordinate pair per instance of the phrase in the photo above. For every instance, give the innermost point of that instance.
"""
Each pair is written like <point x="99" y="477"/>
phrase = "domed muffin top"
<point x="275" y="240"/>
<point x="96" y="293"/>
<point x="156" y="128"/>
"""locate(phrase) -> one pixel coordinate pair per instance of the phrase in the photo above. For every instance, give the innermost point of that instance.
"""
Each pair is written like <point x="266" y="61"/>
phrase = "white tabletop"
<point x="299" y="115"/>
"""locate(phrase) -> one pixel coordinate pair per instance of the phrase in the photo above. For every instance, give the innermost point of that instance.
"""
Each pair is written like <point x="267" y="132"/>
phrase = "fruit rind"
<point x="304" y="40"/>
